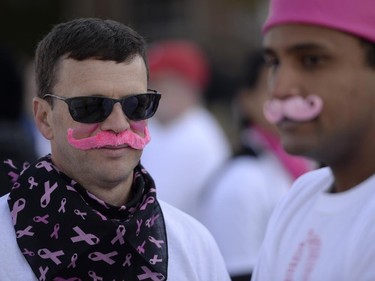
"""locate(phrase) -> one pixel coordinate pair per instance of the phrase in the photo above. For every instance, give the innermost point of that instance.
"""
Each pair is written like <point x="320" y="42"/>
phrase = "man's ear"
<point x="42" y="111"/>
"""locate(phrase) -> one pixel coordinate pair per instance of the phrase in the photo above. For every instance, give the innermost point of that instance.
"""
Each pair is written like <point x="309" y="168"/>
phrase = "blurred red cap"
<point x="182" y="56"/>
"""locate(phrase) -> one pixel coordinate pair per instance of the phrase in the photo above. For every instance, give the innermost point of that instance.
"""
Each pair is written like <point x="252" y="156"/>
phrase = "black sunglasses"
<point x="93" y="109"/>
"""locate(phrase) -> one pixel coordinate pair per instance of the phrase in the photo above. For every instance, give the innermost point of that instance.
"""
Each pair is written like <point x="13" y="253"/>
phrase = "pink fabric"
<point x="295" y="165"/>
<point x="295" y="108"/>
<point x="355" y="17"/>
<point x="106" y="138"/>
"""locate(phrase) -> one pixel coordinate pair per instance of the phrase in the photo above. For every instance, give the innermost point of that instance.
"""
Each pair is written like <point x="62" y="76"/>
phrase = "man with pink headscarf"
<point x="321" y="58"/>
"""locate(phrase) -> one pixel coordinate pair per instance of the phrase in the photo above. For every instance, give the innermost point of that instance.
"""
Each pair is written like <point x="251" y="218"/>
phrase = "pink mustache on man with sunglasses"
<point x="295" y="108"/>
<point x="107" y="138"/>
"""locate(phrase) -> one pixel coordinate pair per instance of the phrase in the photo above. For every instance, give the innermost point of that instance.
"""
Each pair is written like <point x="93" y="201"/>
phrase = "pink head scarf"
<point x="354" y="17"/>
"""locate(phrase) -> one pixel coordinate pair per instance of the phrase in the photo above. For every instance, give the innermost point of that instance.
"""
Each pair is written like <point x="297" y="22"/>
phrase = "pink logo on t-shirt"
<point x="306" y="255"/>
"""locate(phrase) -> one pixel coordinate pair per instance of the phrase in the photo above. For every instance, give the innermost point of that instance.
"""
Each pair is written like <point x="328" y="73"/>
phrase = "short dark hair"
<point x="369" y="52"/>
<point x="81" y="39"/>
<point x="252" y="69"/>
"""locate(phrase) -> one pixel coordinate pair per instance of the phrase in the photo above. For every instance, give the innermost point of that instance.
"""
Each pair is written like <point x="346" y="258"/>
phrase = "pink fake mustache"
<point x="295" y="108"/>
<point x="105" y="138"/>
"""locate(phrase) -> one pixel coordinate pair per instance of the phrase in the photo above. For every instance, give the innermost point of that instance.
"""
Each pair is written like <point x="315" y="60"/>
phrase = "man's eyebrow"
<point x="305" y="47"/>
<point x="300" y="47"/>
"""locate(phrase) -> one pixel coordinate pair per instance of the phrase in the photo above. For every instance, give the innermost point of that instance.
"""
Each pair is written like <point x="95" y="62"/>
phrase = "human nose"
<point x="116" y="121"/>
<point x="284" y="82"/>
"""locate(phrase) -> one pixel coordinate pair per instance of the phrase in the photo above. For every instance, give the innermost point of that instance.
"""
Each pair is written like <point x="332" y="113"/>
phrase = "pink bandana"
<point x="295" y="165"/>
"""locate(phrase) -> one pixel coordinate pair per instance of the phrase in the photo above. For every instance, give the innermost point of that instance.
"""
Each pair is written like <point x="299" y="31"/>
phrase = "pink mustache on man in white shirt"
<point x="106" y="138"/>
<point x="295" y="108"/>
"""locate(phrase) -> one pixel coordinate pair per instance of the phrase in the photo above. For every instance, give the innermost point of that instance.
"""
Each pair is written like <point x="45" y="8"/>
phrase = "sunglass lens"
<point x="140" y="107"/>
<point x="90" y="109"/>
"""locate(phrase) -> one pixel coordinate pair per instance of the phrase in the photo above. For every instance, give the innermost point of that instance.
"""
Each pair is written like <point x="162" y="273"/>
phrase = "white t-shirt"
<point x="182" y="156"/>
<point x="314" y="235"/>
<point x="238" y="205"/>
<point x="192" y="253"/>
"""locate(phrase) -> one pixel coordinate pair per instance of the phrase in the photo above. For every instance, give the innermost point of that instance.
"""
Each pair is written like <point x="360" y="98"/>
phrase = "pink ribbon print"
<point x="122" y="247"/>
<point x="295" y="108"/>
<point x="107" y="138"/>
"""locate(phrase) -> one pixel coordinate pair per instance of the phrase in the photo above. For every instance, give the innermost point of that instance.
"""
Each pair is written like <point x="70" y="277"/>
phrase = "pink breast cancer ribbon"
<point x="106" y="138"/>
<point x="294" y="108"/>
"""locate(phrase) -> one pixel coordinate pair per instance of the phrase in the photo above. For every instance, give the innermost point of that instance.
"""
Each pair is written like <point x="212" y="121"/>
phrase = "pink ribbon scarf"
<point x="66" y="233"/>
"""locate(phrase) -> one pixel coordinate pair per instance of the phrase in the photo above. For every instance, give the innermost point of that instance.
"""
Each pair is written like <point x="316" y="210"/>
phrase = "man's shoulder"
<point x="304" y="190"/>
<point x="4" y="210"/>
<point x="5" y="216"/>
<point x="315" y="180"/>
<point x="13" y="264"/>
<point x="175" y="216"/>
<point x="180" y="224"/>
<point x="192" y="250"/>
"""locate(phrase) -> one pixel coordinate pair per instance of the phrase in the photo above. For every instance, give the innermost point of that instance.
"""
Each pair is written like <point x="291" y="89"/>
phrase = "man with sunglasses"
<point x="88" y="211"/>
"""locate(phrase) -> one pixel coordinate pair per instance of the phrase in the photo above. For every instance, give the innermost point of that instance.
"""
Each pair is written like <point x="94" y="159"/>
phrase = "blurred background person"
<point x="242" y="194"/>
<point x="188" y="143"/>
<point x="16" y="142"/>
